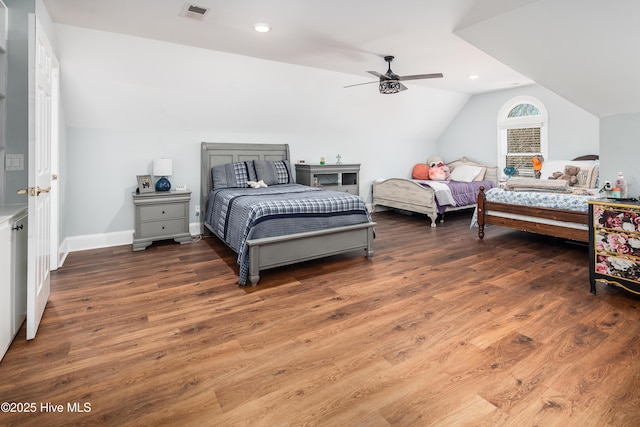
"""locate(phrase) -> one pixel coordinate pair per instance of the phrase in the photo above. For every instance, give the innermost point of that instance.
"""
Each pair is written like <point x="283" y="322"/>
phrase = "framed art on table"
<point x="145" y="185"/>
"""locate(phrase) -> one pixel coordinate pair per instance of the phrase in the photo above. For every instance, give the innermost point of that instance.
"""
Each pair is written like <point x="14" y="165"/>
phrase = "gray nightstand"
<point x="159" y="216"/>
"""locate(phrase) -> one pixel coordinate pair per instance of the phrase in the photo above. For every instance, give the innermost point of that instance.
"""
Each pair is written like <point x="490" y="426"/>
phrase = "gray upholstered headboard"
<point x="220" y="153"/>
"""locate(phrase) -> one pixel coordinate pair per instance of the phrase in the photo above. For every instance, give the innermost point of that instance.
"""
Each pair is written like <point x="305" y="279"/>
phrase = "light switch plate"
<point x="14" y="162"/>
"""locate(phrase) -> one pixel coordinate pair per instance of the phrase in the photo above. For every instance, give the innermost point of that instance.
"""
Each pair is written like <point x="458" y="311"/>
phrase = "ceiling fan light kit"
<point x="390" y="86"/>
<point x="390" y="82"/>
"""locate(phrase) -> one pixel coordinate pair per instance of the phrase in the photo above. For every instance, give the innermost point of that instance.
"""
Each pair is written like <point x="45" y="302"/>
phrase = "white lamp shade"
<point x="162" y="167"/>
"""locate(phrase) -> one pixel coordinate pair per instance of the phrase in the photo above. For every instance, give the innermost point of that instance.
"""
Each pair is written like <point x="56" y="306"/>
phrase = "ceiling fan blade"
<point x="422" y="76"/>
<point x="360" y="84"/>
<point x="378" y="75"/>
<point x="402" y="87"/>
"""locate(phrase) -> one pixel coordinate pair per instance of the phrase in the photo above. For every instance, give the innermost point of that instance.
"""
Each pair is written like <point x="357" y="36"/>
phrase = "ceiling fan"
<point x="390" y="81"/>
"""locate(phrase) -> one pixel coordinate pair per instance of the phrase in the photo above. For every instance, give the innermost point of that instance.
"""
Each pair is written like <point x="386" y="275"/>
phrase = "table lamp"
<point x="163" y="168"/>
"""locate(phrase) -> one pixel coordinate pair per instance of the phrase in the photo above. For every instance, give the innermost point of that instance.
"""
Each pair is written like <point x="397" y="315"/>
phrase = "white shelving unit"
<point x="341" y="177"/>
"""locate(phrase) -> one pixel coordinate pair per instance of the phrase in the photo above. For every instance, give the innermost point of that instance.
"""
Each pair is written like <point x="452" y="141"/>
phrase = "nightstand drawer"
<point x="165" y="211"/>
<point x="614" y="243"/>
<point x="351" y="189"/>
<point x="162" y="228"/>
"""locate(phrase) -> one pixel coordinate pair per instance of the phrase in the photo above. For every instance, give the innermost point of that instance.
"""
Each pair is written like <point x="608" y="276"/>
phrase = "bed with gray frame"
<point x="286" y="249"/>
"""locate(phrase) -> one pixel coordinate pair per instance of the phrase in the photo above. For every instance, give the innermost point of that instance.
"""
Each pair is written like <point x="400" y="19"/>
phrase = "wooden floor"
<point x="438" y="328"/>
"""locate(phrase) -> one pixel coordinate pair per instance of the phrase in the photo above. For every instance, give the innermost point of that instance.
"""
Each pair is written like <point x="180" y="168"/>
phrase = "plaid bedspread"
<point x="239" y="214"/>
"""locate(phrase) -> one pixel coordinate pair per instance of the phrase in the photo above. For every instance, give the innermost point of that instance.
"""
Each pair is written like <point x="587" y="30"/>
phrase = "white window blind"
<point x="522" y="134"/>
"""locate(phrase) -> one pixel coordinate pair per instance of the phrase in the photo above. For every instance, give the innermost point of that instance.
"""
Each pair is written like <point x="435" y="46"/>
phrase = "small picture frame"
<point x="145" y="184"/>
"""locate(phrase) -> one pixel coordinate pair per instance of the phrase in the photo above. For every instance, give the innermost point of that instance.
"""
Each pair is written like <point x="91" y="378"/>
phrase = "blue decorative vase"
<point x="509" y="171"/>
<point x="163" y="184"/>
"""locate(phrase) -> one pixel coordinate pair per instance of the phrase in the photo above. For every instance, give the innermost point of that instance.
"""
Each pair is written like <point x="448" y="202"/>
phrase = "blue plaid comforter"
<point x="240" y="214"/>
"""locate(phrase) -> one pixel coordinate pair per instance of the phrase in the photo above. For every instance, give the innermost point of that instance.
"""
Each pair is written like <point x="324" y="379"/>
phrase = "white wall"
<point x="620" y="149"/>
<point x="129" y="100"/>
<point x="473" y="133"/>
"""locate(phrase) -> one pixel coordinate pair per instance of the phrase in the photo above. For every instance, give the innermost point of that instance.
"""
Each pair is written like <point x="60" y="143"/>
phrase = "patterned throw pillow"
<point x="233" y="175"/>
<point x="273" y="172"/>
<point x="588" y="176"/>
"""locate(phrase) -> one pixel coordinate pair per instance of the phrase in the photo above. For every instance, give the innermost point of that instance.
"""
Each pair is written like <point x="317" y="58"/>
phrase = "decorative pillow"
<point x="233" y="175"/>
<point x="481" y="175"/>
<point x="465" y="173"/>
<point x="420" y="171"/>
<point x="588" y="177"/>
<point x="491" y="174"/>
<point x="464" y="161"/>
<point x="273" y="172"/>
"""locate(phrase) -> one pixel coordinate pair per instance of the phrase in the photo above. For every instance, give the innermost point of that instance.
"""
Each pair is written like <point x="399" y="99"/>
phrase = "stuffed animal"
<point x="439" y="172"/>
<point x="570" y="174"/>
<point x="254" y="184"/>
<point x="537" y="165"/>
<point x="434" y="160"/>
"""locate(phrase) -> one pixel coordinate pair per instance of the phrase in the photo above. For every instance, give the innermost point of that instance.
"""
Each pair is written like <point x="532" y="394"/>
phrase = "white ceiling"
<point x="584" y="50"/>
<point x="549" y="41"/>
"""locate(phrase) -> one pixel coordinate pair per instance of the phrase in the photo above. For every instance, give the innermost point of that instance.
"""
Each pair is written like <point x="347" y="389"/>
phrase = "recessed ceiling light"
<point x="261" y="27"/>
<point x="473" y="76"/>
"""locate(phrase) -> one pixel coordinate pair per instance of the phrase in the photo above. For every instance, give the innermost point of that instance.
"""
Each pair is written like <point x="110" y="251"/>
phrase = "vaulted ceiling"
<point x="584" y="50"/>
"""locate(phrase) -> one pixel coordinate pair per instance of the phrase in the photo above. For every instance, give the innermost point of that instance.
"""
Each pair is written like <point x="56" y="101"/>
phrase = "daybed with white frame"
<point x="417" y="196"/>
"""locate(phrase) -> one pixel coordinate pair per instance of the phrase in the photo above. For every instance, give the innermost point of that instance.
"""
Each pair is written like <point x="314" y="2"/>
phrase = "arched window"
<point x="522" y="133"/>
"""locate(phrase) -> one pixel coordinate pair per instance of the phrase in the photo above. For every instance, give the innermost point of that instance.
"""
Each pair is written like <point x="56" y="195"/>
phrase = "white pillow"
<point x="465" y="173"/>
<point x="480" y="176"/>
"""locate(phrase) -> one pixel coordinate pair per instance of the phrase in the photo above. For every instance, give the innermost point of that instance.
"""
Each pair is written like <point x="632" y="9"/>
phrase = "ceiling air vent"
<point x="193" y="11"/>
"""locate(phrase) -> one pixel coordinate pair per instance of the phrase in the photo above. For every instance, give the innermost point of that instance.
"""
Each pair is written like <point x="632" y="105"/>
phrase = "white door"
<point x="41" y="60"/>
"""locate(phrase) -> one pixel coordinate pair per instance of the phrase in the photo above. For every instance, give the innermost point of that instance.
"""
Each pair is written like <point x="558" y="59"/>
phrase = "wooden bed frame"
<point x="408" y="195"/>
<point x="560" y="223"/>
<point x="278" y="251"/>
<point x="489" y="214"/>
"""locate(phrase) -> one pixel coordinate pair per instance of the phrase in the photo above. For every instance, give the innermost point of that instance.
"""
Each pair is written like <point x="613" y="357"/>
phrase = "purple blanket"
<point x="463" y="193"/>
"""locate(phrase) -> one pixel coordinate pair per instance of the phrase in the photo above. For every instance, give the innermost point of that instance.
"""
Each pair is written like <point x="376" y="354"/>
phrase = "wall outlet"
<point x="197" y="210"/>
